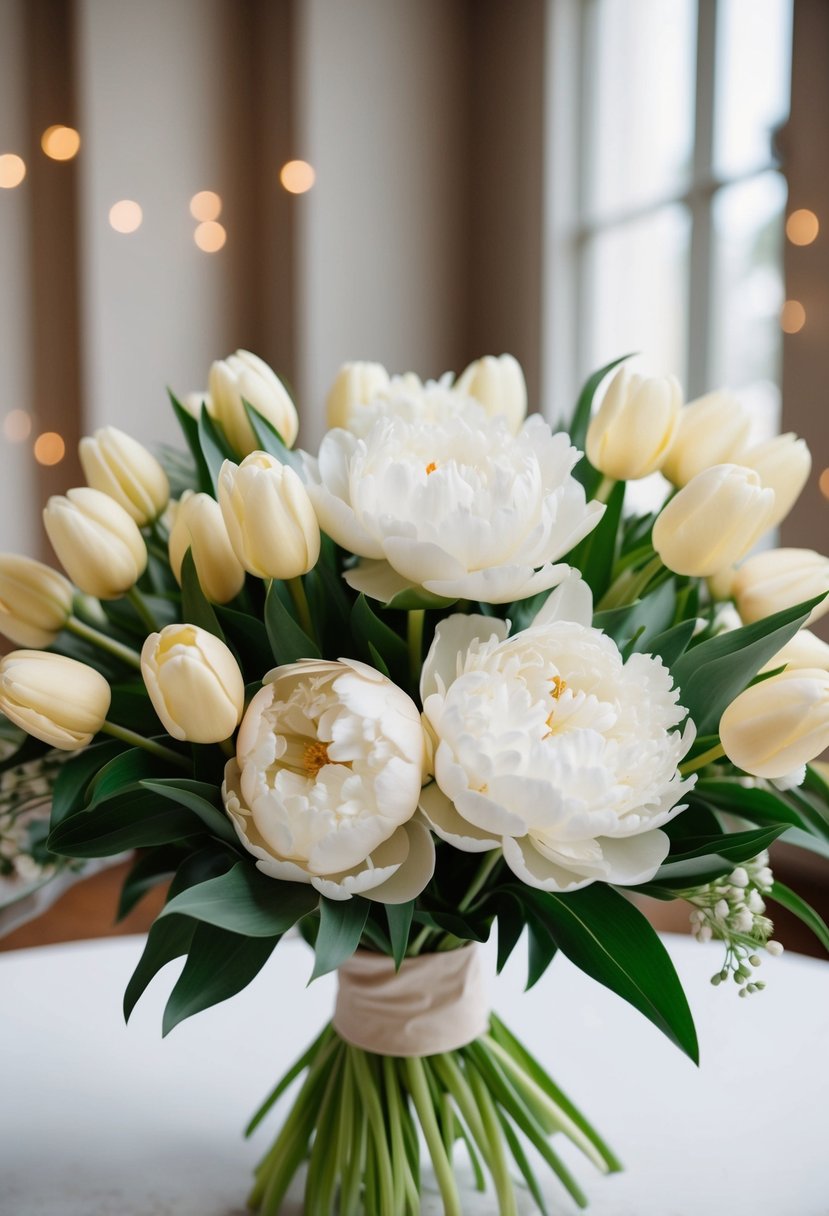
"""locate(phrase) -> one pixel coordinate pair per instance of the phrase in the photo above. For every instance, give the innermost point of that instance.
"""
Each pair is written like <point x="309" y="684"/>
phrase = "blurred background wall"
<point x="565" y="179"/>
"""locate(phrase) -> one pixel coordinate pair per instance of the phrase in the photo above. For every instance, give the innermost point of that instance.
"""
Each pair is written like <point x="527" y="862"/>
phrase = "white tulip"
<point x="777" y="579"/>
<point x="326" y="782"/>
<point x="118" y="465"/>
<point x="805" y="649"/>
<point x="356" y="385"/>
<point x="198" y="525"/>
<point x="194" y="683"/>
<point x="448" y="500"/>
<point x="783" y="463"/>
<point x="713" y="521"/>
<point x="778" y="725"/>
<point x="245" y="377"/>
<point x="498" y="385"/>
<point x="552" y="748"/>
<point x="634" y="428"/>
<point x="96" y="541"/>
<point x="714" y="429"/>
<point x="269" y="518"/>
<point x="35" y="601"/>
<point x="58" y="700"/>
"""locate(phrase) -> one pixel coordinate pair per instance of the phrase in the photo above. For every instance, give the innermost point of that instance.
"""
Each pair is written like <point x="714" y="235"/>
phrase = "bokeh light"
<point x="126" y="216"/>
<point x="49" y="448"/>
<point x="12" y="170"/>
<point x="17" y="426"/>
<point x="210" y="236"/>
<point x="802" y="227"/>
<point x="297" y="176"/>
<point x="60" y="143"/>
<point x="823" y="483"/>
<point x="206" y="205"/>
<point x="792" y="317"/>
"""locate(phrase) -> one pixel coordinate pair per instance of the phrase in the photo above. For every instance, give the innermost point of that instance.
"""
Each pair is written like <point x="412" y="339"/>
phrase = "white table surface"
<point x="99" y="1119"/>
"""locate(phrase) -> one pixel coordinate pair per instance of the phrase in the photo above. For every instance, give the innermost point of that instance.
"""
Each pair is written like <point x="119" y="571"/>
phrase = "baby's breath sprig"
<point x="732" y="910"/>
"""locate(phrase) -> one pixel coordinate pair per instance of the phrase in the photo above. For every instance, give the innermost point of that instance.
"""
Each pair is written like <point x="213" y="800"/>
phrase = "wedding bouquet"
<point x="431" y="685"/>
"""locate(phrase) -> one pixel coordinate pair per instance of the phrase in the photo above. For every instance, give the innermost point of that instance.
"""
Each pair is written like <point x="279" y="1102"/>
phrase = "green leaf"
<point x="246" y="901"/>
<point x="214" y="447"/>
<point x="169" y="939"/>
<point x="541" y="950"/>
<point x="580" y="421"/>
<point x="713" y="673"/>
<point x="202" y="799"/>
<point x="705" y="860"/>
<point x="148" y="871"/>
<point x="374" y="637"/>
<point x="196" y="609"/>
<point x="399" y="917"/>
<point x="511" y="924"/>
<point x="594" y="555"/>
<point x="131" y="820"/>
<point x="124" y="772"/>
<point x="412" y="598"/>
<point x="248" y="637"/>
<point x="671" y="644"/>
<point x="131" y="707"/>
<point x="270" y="440"/>
<point x="788" y="899"/>
<point x="190" y="430"/>
<point x="653" y="614"/>
<point x="611" y="941"/>
<point x="219" y="964"/>
<point x="288" y="640"/>
<point x="68" y="793"/>
<point x="341" y="927"/>
<point x="763" y="806"/>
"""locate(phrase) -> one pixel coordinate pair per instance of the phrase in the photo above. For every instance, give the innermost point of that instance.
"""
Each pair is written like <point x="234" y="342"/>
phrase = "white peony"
<point x="550" y="746"/>
<point x="444" y="498"/>
<point x="328" y="769"/>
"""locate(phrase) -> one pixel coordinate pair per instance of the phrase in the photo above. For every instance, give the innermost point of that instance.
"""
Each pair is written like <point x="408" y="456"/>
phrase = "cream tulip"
<point x="805" y="649"/>
<point x="780" y="578"/>
<point x="245" y="377"/>
<point x="713" y="521"/>
<point x="194" y="683"/>
<point x="198" y="525"/>
<point x="121" y="467"/>
<point x="498" y="385"/>
<point x="778" y="725"/>
<point x="632" y="432"/>
<point x="35" y="601"/>
<point x="96" y="541"/>
<point x="784" y="464"/>
<point x="58" y="700"/>
<point x="356" y="385"/>
<point x="712" y="430"/>
<point x="269" y="518"/>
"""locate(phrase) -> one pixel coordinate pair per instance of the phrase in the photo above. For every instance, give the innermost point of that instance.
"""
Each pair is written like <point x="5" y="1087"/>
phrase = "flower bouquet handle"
<point x="431" y="686"/>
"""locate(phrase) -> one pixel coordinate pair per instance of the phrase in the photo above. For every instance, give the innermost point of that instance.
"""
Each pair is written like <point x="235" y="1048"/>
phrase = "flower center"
<point x="430" y="467"/>
<point x="559" y="686"/>
<point x="315" y="757"/>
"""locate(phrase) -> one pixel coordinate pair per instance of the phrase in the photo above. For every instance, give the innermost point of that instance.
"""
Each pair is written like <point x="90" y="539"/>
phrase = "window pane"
<point x="636" y="291"/>
<point x="640" y="82"/>
<point x="753" y="81"/>
<point x="748" y="293"/>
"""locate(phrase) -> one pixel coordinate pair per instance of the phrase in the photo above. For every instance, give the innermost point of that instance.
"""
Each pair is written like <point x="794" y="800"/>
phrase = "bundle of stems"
<point x="360" y="1120"/>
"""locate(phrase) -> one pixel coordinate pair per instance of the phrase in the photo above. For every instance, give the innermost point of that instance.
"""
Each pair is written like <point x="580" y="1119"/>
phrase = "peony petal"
<point x="377" y="580"/>
<point x="572" y="600"/>
<point x="452" y="640"/>
<point x="527" y="863"/>
<point x="415" y="872"/>
<point x="444" y="819"/>
<point x="499" y="584"/>
<point x="636" y="858"/>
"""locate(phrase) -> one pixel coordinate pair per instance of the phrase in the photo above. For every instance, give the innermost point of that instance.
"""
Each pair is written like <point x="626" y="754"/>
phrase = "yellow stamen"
<point x="315" y="757"/>
<point x="559" y="686"/>
<point x="430" y="467"/>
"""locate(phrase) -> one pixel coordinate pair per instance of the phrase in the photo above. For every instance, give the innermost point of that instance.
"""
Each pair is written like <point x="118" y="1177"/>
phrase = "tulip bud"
<point x="198" y="526"/>
<point x="777" y="579"/>
<point x="194" y="402"/>
<point x="633" y="430"/>
<point x="245" y="377"/>
<point x="784" y="464"/>
<point x="805" y="649"/>
<point x="58" y="700"/>
<point x="35" y="601"/>
<point x="356" y="384"/>
<point x="712" y="430"/>
<point x="498" y="385"/>
<point x="194" y="683"/>
<point x="96" y="541"/>
<point x="714" y="521"/>
<point x="270" y="521"/>
<point x="120" y="466"/>
<point x="778" y="725"/>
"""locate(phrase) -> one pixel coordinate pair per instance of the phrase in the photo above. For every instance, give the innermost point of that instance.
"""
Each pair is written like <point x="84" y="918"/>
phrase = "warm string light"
<point x="17" y="426"/>
<point x="792" y="317"/>
<point x="823" y="483"/>
<point x="49" y="448"/>
<point x="206" y="205"/>
<point x="297" y="176"/>
<point x="125" y="216"/>
<point x="60" y="142"/>
<point x="12" y="170"/>
<point x="802" y="227"/>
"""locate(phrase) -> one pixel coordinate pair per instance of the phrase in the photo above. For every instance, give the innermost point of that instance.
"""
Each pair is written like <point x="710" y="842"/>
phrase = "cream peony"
<point x="326" y="780"/>
<point x="444" y="498"/>
<point x="551" y="747"/>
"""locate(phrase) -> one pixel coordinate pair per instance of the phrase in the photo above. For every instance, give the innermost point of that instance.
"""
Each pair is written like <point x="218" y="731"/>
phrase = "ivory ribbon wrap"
<point x="434" y="1003"/>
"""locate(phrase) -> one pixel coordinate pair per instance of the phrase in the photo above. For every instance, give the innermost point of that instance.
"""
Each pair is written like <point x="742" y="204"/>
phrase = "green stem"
<point x="629" y="586"/>
<point x="414" y="631"/>
<point x="604" y="489"/>
<point x="478" y="883"/>
<point x="125" y="653"/>
<point x="303" y="610"/>
<point x="149" y="745"/>
<point x="419" y="942"/>
<point x="693" y="766"/>
<point x="419" y="1089"/>
<point x="496" y="1159"/>
<point x="139" y="604"/>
